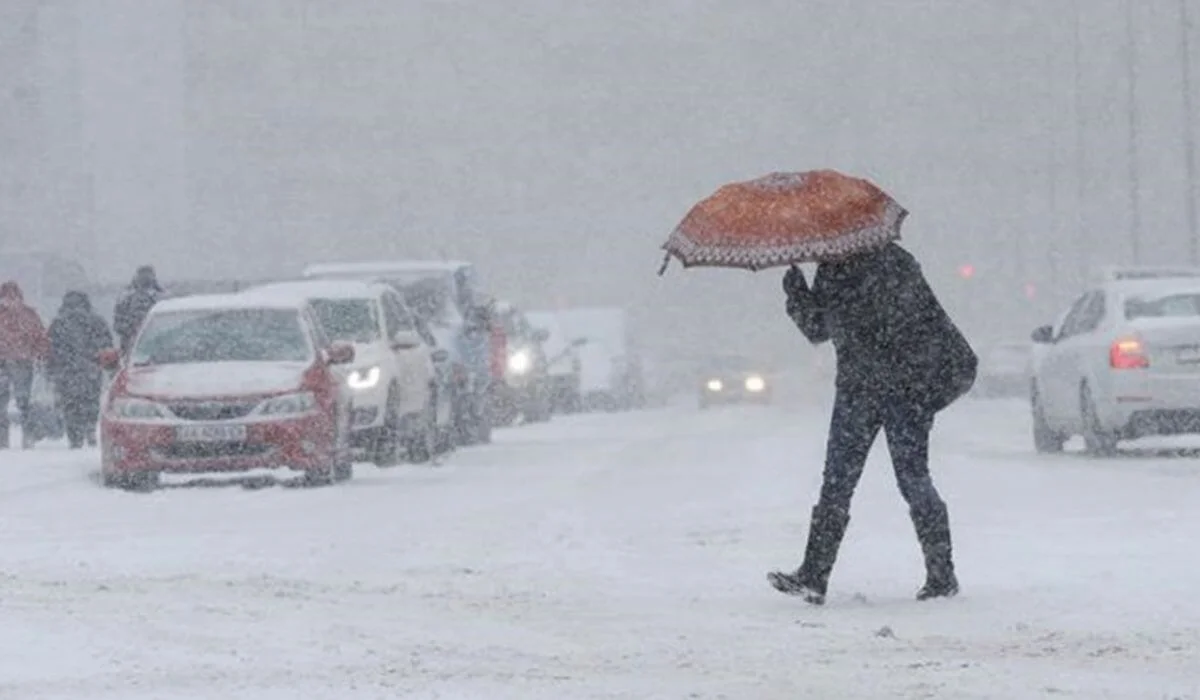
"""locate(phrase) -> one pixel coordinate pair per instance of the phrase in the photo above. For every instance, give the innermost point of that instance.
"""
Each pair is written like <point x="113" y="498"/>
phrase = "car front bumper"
<point x="302" y="443"/>
<point x="734" y="395"/>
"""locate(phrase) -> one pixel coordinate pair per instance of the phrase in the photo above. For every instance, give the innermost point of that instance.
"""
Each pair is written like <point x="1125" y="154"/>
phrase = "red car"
<point x="222" y="383"/>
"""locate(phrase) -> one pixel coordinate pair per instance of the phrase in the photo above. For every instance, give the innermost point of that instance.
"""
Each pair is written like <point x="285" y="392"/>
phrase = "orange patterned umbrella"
<point x="785" y="218"/>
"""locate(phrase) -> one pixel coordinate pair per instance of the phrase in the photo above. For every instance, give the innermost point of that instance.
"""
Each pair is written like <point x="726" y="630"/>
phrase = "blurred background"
<point x="557" y="142"/>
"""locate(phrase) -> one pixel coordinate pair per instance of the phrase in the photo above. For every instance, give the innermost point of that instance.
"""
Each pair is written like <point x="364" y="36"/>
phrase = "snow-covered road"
<point x="612" y="556"/>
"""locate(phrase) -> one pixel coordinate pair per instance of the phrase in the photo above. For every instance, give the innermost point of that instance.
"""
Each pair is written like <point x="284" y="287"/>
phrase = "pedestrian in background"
<point x="77" y="336"/>
<point x="23" y="343"/>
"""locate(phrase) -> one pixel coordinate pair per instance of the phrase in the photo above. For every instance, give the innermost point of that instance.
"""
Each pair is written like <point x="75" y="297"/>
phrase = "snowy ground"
<point x="608" y="557"/>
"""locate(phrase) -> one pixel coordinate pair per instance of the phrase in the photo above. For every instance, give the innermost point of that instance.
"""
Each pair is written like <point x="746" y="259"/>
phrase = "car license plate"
<point x="210" y="433"/>
<point x="1188" y="356"/>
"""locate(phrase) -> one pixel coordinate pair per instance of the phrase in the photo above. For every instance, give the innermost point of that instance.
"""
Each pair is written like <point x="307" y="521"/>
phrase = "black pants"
<point x="79" y="400"/>
<point x="857" y="418"/>
<point x="16" y="382"/>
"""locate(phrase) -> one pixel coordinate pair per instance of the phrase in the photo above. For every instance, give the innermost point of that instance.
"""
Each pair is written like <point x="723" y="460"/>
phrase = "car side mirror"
<point x="109" y="359"/>
<point x="441" y="355"/>
<point x="406" y="340"/>
<point x="339" y="354"/>
<point x="541" y="335"/>
<point x="1043" y="335"/>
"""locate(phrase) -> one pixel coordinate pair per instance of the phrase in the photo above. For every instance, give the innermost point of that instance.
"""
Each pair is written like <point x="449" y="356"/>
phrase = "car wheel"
<point x="140" y="482"/>
<point x="1045" y="440"/>
<point x="386" y="451"/>
<point x="537" y="410"/>
<point x="1096" y="440"/>
<point x="421" y="445"/>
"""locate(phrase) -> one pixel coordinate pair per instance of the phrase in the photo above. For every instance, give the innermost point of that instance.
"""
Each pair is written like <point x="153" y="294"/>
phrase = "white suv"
<point x="1123" y="362"/>
<point x="398" y="405"/>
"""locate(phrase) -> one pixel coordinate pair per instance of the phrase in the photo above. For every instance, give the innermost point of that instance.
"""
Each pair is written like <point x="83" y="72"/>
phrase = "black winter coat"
<point x="131" y="311"/>
<point x="891" y="335"/>
<point x="77" y="335"/>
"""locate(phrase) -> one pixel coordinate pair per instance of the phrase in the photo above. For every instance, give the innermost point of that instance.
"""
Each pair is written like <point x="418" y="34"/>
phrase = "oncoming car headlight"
<point x="755" y="384"/>
<point x="520" y="362"/>
<point x="136" y="409"/>
<point x="715" y="385"/>
<point x="288" y="404"/>
<point x="365" y="378"/>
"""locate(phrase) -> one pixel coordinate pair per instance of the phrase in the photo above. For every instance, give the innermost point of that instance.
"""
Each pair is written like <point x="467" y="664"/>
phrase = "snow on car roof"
<point x="242" y="300"/>
<point x="319" y="289"/>
<point x="377" y="268"/>
<point x="1159" y="287"/>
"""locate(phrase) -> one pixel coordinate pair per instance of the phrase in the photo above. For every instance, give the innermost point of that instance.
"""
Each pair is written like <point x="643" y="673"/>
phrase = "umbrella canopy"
<point x="783" y="219"/>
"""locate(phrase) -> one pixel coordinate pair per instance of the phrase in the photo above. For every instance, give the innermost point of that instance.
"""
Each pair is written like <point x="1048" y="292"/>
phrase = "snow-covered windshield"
<point x="1169" y="306"/>
<point x="349" y="320"/>
<point x="224" y="335"/>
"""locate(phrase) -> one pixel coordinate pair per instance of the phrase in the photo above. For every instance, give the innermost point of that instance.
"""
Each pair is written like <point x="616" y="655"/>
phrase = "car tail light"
<point x="1128" y="353"/>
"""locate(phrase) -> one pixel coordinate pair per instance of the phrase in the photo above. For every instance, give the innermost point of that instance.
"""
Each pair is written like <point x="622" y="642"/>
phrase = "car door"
<point x="1050" y="381"/>
<point x="1086" y="353"/>
<point x="415" y="365"/>
<point x="1067" y="366"/>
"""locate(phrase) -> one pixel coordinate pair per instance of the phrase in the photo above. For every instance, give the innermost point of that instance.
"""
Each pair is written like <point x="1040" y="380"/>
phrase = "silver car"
<point x="1122" y="363"/>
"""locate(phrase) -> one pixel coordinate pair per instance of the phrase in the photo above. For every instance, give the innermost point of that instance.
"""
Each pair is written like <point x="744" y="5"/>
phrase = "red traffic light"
<point x="966" y="271"/>
<point x="1030" y="290"/>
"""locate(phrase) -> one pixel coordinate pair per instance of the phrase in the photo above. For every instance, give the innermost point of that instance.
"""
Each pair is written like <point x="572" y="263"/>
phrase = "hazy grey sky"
<point x="557" y="142"/>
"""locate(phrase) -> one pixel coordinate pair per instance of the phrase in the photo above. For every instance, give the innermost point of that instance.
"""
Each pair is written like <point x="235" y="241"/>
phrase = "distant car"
<point x="520" y="369"/>
<point x="733" y="379"/>
<point x="1122" y="363"/>
<point x="564" y="365"/>
<point x="399" y="407"/>
<point x="1004" y="371"/>
<point x="446" y="295"/>
<point x="227" y="383"/>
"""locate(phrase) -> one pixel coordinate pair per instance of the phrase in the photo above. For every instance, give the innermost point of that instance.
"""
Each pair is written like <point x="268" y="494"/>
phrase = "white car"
<point x="398" y="406"/>
<point x="1123" y="362"/>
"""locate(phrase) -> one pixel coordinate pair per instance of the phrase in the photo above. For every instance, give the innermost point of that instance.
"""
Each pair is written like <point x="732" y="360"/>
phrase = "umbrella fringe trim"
<point x="758" y="257"/>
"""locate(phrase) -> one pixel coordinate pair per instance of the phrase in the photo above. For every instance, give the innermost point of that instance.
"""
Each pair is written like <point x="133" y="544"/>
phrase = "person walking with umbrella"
<point x="77" y="336"/>
<point x="900" y="358"/>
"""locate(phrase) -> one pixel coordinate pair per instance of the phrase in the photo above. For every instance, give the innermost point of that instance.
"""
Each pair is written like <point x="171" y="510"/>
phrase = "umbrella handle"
<point x="666" y="261"/>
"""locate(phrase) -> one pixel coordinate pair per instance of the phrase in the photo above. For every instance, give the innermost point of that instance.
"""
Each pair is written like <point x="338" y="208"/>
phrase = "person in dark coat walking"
<point x="77" y="336"/>
<point x="900" y="360"/>
<point x="134" y="305"/>
<point x="23" y="344"/>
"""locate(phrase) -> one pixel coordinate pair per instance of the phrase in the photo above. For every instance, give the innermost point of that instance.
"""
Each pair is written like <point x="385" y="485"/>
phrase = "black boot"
<point x="932" y="524"/>
<point x="825" y="534"/>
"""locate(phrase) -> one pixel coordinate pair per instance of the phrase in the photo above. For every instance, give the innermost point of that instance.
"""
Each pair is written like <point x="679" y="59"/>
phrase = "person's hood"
<point x="145" y="280"/>
<point x="11" y="292"/>
<point x="76" y="302"/>
<point x="848" y="277"/>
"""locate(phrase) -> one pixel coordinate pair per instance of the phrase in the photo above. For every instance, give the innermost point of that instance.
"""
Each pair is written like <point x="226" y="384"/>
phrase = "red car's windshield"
<point x="223" y="335"/>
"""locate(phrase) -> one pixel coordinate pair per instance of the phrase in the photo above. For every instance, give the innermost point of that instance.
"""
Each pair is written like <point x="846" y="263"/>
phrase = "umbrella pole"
<point x="666" y="261"/>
